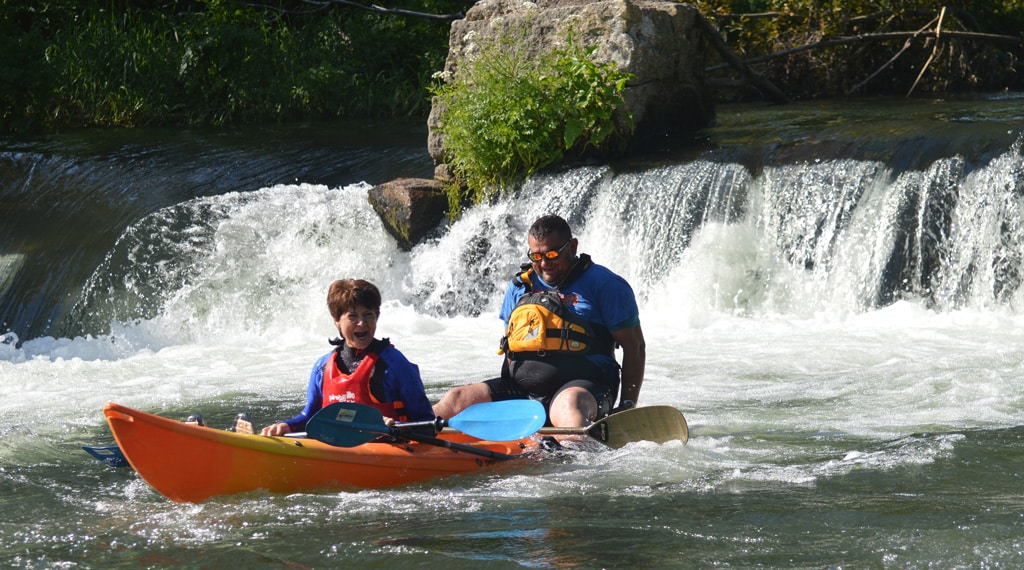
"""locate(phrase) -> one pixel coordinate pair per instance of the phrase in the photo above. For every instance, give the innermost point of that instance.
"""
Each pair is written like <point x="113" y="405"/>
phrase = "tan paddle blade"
<point x="650" y="423"/>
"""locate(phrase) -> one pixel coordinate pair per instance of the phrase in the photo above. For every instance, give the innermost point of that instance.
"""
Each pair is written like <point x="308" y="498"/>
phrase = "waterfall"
<point x="826" y="236"/>
<point x="839" y="235"/>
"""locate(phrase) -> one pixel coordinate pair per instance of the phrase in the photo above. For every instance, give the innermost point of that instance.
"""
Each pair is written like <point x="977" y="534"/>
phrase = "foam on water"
<point x="759" y="301"/>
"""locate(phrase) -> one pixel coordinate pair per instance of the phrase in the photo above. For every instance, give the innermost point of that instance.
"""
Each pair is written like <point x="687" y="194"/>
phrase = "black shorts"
<point x="540" y="379"/>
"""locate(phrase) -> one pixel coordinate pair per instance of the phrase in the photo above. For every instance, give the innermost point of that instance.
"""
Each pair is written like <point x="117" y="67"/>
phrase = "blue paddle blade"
<point x="344" y="424"/>
<point x="501" y="421"/>
<point x="110" y="454"/>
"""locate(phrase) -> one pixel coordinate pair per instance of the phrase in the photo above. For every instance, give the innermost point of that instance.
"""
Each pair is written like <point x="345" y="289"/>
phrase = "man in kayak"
<point x="563" y="317"/>
<point x="361" y="369"/>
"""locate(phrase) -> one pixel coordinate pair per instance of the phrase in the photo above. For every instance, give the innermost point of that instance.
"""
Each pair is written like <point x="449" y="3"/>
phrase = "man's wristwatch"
<point x="627" y="404"/>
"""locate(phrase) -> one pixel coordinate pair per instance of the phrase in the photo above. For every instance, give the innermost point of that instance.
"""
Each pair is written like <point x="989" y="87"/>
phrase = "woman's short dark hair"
<point x="346" y="294"/>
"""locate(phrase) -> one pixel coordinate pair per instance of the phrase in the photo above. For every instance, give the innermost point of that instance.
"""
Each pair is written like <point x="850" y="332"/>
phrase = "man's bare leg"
<point x="460" y="398"/>
<point x="573" y="407"/>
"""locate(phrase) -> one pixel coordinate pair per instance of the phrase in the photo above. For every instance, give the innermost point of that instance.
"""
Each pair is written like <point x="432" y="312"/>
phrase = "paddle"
<point x="345" y="424"/>
<point x="110" y="454"/>
<point x="492" y="421"/>
<point x="650" y="423"/>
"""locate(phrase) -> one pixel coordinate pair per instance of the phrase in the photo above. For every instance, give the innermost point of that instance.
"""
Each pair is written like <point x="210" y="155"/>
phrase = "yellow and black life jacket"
<point x="541" y="324"/>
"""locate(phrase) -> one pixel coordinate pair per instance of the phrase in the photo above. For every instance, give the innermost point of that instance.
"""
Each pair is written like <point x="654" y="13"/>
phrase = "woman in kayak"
<point x="360" y="369"/>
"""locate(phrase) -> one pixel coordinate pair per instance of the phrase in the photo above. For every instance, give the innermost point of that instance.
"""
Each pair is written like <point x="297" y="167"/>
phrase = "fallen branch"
<point x="748" y="75"/>
<point x="748" y="15"/>
<point x="882" y="36"/>
<point x="321" y="4"/>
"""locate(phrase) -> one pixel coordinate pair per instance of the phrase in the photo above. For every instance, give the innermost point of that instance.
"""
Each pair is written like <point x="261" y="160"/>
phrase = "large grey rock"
<point x="659" y="42"/>
<point x="409" y="207"/>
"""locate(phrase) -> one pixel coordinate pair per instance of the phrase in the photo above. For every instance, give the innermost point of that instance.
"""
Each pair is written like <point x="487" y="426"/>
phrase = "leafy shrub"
<point x="508" y="113"/>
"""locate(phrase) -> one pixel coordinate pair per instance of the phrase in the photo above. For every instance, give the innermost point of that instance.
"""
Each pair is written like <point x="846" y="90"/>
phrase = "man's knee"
<point x="460" y="398"/>
<point x="573" y="407"/>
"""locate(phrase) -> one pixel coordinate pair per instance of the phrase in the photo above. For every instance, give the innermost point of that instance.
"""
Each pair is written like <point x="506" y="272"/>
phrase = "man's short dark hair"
<point x="548" y="225"/>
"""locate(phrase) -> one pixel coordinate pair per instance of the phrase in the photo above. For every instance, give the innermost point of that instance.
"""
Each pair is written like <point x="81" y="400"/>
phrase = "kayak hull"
<point x="190" y="463"/>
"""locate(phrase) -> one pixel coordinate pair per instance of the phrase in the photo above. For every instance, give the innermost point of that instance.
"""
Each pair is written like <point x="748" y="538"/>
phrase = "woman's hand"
<point x="280" y="428"/>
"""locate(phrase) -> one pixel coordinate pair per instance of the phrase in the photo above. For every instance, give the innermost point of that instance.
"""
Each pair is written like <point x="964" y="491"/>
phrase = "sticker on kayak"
<point x="346" y="415"/>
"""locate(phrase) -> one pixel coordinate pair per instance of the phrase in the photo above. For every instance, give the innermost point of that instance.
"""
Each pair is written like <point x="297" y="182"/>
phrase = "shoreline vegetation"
<point x="223" y="62"/>
<point x="134" y="63"/>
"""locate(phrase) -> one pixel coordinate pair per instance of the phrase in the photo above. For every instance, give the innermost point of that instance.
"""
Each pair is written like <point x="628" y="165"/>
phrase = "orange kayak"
<point x="190" y="463"/>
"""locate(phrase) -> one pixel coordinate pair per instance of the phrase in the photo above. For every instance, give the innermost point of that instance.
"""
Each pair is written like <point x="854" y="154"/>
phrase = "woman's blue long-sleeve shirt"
<point x="402" y="382"/>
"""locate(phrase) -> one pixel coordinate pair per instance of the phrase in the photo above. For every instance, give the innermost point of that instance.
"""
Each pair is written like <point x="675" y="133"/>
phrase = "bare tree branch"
<point x="396" y="11"/>
<point x="906" y="46"/>
<point x="318" y="5"/>
<point x="749" y="75"/>
<point x="750" y="15"/>
<point x="935" y="50"/>
<point x="883" y="36"/>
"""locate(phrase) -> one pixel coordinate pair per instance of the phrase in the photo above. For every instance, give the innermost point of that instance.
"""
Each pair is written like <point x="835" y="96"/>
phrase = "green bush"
<point x="507" y="114"/>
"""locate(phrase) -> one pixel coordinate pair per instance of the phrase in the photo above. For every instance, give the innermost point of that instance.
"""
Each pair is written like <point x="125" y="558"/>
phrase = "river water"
<point x="830" y="292"/>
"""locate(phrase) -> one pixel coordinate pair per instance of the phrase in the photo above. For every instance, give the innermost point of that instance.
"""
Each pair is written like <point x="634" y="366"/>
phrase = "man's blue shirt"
<point x="597" y="295"/>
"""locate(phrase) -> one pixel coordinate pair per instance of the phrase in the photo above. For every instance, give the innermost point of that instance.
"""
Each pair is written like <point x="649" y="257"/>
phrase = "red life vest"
<point x="355" y="387"/>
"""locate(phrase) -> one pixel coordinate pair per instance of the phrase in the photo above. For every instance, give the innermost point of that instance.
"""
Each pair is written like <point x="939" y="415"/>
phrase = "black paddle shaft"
<point x="453" y="446"/>
<point x="437" y="423"/>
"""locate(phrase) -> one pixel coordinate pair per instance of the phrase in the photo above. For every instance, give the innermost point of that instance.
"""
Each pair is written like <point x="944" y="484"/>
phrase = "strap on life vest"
<point x="358" y="386"/>
<point x="563" y="330"/>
